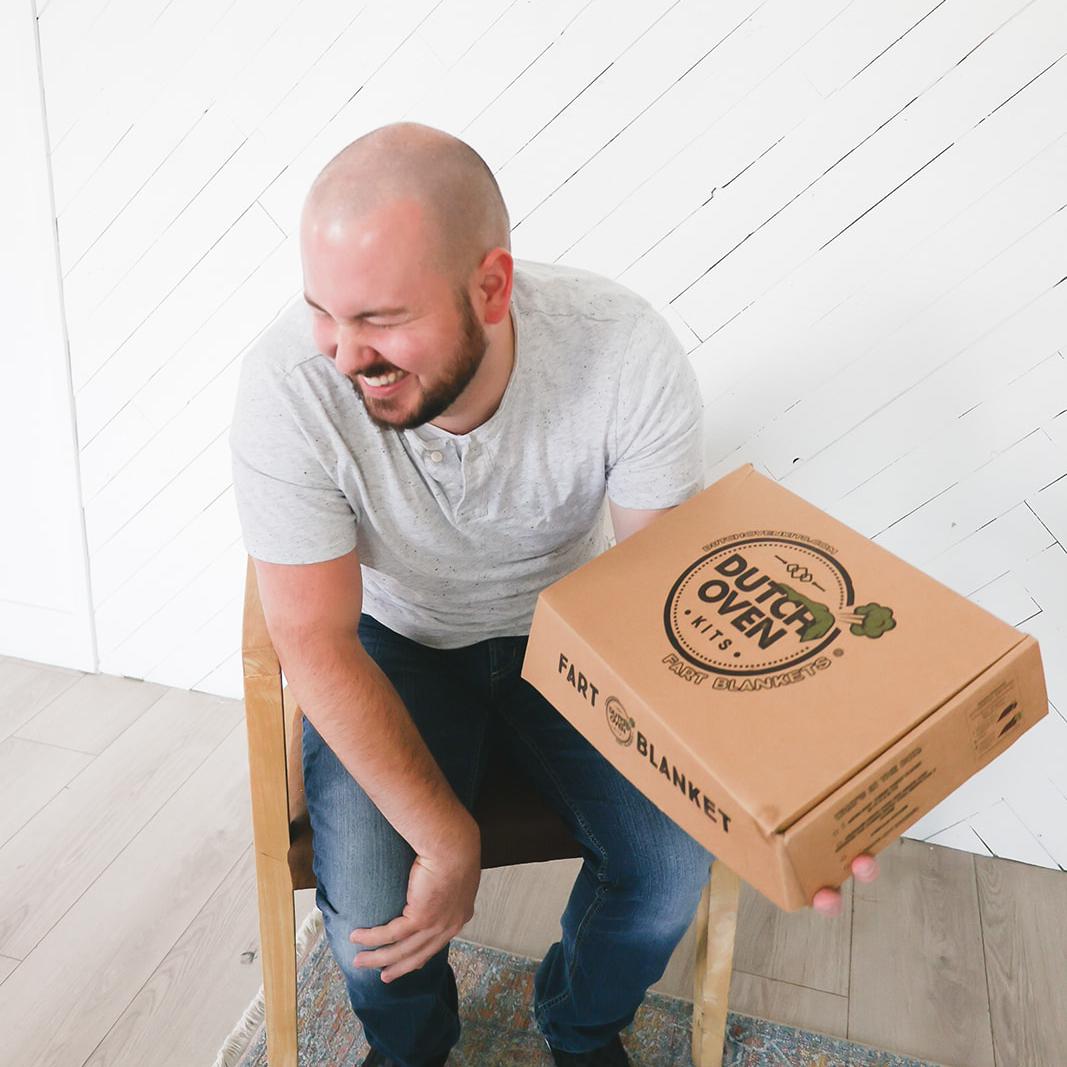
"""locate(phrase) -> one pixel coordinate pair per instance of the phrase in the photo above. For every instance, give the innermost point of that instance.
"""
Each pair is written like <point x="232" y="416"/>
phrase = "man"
<point x="410" y="472"/>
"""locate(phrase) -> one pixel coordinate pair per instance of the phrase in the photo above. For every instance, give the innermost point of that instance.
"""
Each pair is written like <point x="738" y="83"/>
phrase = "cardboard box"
<point x="787" y="691"/>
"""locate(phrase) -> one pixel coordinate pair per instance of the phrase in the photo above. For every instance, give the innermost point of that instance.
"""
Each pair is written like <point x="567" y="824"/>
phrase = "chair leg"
<point x="716" y="925"/>
<point x="277" y="938"/>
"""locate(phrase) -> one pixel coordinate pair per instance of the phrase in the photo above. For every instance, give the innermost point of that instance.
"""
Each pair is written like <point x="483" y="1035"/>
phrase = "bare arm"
<point x="312" y="612"/>
<point x="626" y="521"/>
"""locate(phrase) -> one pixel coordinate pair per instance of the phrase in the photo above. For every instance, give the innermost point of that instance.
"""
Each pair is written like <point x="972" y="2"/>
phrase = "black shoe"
<point x="610" y="1055"/>
<point x="379" y="1059"/>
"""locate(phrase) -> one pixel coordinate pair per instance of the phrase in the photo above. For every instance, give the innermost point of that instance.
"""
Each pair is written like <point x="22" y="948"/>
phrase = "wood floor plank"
<point x="68" y="993"/>
<point x="1024" y="925"/>
<point x="149" y="943"/>
<point x="804" y="948"/>
<point x="793" y="1005"/>
<point x="195" y="996"/>
<point x="90" y="714"/>
<point x="918" y="971"/>
<point x="32" y="774"/>
<point x="26" y="688"/>
<point x="59" y="853"/>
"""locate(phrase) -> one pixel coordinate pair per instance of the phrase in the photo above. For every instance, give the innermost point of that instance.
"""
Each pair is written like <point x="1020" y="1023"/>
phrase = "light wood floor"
<point x="128" y="930"/>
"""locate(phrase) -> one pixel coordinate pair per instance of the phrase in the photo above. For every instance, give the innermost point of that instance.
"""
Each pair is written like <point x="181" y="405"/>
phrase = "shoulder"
<point x="283" y="346"/>
<point x="560" y="290"/>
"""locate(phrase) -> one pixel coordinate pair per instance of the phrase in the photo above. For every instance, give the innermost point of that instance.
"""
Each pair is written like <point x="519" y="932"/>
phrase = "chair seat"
<point x="517" y="825"/>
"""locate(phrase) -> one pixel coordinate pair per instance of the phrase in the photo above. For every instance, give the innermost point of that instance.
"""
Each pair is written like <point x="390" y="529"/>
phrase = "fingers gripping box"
<point x="787" y="691"/>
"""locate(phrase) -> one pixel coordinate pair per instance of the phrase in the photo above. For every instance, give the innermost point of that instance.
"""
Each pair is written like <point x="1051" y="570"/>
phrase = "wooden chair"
<point x="516" y="827"/>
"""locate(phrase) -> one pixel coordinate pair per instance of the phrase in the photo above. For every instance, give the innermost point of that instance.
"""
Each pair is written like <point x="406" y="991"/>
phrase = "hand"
<point x="440" y="902"/>
<point x="828" y="900"/>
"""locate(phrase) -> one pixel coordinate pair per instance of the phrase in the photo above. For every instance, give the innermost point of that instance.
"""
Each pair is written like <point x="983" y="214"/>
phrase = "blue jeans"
<point x="633" y="900"/>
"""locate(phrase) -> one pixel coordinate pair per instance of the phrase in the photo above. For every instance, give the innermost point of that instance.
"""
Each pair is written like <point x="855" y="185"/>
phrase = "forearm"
<point x="361" y="717"/>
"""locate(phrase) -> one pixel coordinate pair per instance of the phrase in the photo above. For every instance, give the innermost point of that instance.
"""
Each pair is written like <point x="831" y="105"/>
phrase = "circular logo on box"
<point x="620" y="724"/>
<point x="759" y="605"/>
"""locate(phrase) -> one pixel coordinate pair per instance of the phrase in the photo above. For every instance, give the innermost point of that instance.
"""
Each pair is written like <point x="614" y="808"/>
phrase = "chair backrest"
<point x="517" y="825"/>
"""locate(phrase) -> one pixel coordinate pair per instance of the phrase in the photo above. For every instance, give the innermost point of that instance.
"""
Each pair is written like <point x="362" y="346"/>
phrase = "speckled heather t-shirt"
<point x="458" y="533"/>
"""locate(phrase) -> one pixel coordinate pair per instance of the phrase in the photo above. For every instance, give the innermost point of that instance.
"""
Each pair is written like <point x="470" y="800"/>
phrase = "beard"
<point x="462" y="364"/>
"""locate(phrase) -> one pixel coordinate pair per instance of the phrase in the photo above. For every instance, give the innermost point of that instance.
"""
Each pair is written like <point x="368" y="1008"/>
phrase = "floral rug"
<point x="498" y="1029"/>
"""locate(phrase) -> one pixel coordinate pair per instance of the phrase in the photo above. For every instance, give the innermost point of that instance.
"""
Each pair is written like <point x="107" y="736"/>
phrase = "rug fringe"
<point x="235" y="1046"/>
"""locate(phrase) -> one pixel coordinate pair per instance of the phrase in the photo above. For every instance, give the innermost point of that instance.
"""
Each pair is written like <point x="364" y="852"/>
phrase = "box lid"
<point x="784" y="649"/>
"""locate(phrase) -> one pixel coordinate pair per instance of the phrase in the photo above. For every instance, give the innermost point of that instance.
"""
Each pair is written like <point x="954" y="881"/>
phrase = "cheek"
<point x="323" y="336"/>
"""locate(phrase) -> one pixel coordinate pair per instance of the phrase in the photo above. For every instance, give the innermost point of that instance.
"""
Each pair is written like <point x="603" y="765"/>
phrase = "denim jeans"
<point x="633" y="900"/>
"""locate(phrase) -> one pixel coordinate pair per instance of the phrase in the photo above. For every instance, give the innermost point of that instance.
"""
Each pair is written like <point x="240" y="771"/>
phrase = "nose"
<point x="354" y="356"/>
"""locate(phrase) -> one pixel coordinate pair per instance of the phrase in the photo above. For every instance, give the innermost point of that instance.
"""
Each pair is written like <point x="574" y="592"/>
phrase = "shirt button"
<point x="436" y="457"/>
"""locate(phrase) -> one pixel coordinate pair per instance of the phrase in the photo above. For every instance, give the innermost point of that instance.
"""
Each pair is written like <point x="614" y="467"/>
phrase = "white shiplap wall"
<point x="851" y="212"/>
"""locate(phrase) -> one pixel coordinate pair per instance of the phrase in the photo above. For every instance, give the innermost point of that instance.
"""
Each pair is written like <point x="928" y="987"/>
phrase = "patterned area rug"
<point x="495" y="1001"/>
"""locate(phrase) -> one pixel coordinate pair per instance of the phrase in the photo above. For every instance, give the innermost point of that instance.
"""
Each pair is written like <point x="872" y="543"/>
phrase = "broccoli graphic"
<point x="868" y="620"/>
<point x="822" y="619"/>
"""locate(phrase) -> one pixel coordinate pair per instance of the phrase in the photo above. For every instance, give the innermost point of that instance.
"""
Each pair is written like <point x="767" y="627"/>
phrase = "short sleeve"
<point x="657" y="456"/>
<point x="290" y="510"/>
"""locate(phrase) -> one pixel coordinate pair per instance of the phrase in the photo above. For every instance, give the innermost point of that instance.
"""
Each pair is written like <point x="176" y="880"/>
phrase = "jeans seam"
<point x="562" y="792"/>
<point x="579" y="939"/>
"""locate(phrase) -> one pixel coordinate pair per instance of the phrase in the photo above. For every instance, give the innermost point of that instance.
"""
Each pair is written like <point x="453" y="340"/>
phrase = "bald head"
<point x="437" y="178"/>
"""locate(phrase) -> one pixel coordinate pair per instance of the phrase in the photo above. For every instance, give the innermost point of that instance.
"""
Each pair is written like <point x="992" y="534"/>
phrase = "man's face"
<point x="421" y="325"/>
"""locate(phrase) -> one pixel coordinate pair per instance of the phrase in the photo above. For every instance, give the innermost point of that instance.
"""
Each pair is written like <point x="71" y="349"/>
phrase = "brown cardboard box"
<point x="787" y="691"/>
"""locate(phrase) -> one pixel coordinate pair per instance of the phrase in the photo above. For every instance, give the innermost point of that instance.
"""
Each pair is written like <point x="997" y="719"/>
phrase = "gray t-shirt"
<point x="458" y="533"/>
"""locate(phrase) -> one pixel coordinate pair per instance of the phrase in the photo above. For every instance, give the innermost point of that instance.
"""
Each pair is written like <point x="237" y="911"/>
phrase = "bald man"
<point x="411" y="468"/>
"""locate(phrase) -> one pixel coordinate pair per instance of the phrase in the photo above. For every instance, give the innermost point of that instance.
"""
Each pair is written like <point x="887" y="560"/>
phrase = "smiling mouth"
<point x="379" y="380"/>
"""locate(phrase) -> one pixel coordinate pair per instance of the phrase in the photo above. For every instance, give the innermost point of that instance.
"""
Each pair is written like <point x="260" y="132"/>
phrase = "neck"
<point x="482" y="396"/>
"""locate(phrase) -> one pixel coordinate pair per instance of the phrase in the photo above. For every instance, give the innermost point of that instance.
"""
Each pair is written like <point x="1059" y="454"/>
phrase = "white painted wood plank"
<point x="182" y="644"/>
<point x="835" y="312"/>
<point x="373" y="76"/>
<point x="874" y="169"/>
<point x="162" y="90"/>
<point x="958" y="394"/>
<point x="160" y="573"/>
<point x="1053" y="641"/>
<point x="194" y="486"/>
<point x="1007" y="836"/>
<point x="1007" y="598"/>
<point x="196" y="385"/>
<point x="216" y="216"/>
<point x="962" y="837"/>
<point x="123" y="354"/>
<point x="509" y="52"/>
<point x="754" y="92"/>
<point x="994" y="548"/>
<point x="1042" y="809"/>
<point x="294" y="49"/>
<point x="803" y="158"/>
<point x="82" y="47"/>
<point x="861" y="34"/>
<point x="454" y="28"/>
<point x="387" y="96"/>
<point x="995" y="424"/>
<point x="1044" y="576"/>
<point x="666" y="163"/>
<point x="993" y="295"/>
<point x="1050" y="504"/>
<point x="118" y="248"/>
<point x="1034" y="755"/>
<point x="616" y="89"/>
<point x="989" y="491"/>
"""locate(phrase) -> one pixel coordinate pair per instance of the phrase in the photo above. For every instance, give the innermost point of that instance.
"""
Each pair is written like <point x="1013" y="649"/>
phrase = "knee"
<point x="354" y="904"/>
<point x="667" y="878"/>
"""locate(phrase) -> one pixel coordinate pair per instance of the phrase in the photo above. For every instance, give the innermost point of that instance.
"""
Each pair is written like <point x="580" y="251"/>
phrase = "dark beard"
<point x="466" y="358"/>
